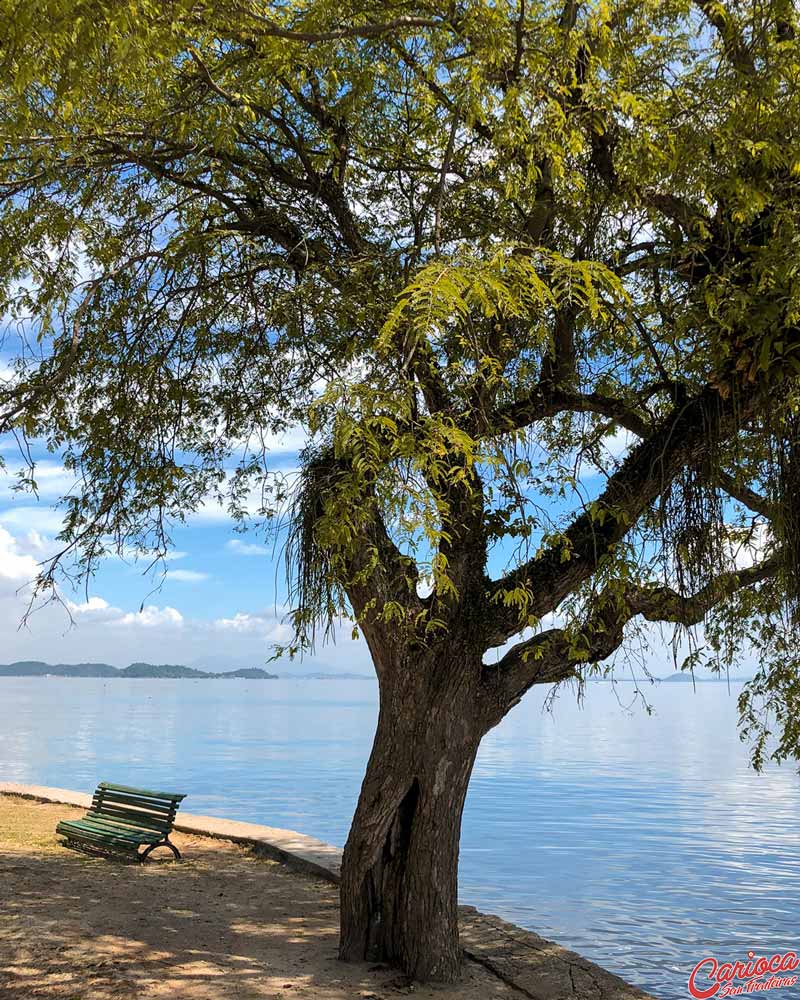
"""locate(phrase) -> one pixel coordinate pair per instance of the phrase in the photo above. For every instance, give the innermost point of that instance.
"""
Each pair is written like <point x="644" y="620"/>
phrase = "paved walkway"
<point x="535" y="967"/>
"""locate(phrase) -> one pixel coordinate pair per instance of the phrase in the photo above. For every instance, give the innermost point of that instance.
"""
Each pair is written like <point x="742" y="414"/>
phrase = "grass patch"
<point x="26" y="825"/>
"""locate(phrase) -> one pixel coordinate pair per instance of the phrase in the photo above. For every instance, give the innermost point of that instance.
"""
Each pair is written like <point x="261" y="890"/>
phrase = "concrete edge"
<point x="536" y="967"/>
<point x="299" y="852"/>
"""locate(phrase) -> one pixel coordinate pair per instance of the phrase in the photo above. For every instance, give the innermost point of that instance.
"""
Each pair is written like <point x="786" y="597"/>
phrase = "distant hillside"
<point x="35" y="668"/>
<point x="161" y="670"/>
<point x="686" y="678"/>
<point x="249" y="673"/>
<point x="322" y="676"/>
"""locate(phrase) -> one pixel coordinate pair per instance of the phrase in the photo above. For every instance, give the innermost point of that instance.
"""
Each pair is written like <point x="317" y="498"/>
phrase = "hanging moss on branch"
<point x="788" y="522"/>
<point x="318" y="600"/>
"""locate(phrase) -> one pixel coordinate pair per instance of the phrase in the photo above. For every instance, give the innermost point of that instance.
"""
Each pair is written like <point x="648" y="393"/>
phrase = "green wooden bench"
<point x="122" y="820"/>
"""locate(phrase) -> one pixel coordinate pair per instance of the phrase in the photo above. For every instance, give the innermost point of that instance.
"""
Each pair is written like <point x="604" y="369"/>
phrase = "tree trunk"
<point x="399" y="889"/>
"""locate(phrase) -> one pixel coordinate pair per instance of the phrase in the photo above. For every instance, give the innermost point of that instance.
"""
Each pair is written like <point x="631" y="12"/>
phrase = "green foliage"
<point x="479" y="250"/>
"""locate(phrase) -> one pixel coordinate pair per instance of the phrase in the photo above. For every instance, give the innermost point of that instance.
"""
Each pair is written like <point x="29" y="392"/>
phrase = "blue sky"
<point x="221" y="602"/>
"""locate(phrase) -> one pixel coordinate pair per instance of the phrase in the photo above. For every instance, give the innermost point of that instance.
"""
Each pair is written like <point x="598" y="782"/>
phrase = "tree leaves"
<point x="464" y="246"/>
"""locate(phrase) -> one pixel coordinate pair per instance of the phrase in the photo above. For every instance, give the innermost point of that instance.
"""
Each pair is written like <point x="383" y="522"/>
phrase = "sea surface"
<point x="644" y="842"/>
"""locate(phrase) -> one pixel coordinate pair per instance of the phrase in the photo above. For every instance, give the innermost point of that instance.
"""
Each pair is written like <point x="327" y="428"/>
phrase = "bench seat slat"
<point x="133" y="815"/>
<point x="128" y="832"/>
<point x="123" y="824"/>
<point x="123" y="819"/>
<point x="146" y="805"/>
<point x="134" y="822"/>
<point x="102" y="843"/>
<point x="124" y="807"/>
<point x="102" y="837"/>
<point x="92" y="823"/>
<point x="143" y="792"/>
<point x="74" y="831"/>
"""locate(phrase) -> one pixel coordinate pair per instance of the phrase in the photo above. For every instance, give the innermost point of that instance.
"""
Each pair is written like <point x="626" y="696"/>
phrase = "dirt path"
<point x="222" y="925"/>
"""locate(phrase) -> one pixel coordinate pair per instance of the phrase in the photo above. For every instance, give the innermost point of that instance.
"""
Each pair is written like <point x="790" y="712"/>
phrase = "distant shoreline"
<point x="162" y="671"/>
<point x="168" y="671"/>
<point x="173" y="671"/>
<point x="671" y="679"/>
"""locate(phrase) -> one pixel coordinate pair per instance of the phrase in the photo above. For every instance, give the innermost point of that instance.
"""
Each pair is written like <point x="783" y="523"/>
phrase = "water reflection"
<point x="642" y="842"/>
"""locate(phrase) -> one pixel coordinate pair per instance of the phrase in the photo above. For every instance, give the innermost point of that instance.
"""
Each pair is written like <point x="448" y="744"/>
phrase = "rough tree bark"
<point x="400" y="867"/>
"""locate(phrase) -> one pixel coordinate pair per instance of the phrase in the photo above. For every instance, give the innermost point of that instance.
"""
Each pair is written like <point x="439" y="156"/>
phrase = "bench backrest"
<point x="136" y="807"/>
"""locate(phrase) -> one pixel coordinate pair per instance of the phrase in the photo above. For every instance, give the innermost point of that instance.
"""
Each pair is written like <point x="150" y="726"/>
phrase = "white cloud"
<point x="100" y="632"/>
<point x="287" y="442"/>
<point x="92" y="604"/>
<point x="15" y="565"/>
<point x="34" y="542"/>
<point x="44" y="520"/>
<point x="752" y="549"/>
<point x="187" y="575"/>
<point x="240" y="622"/>
<point x="292" y="440"/>
<point x="52" y="480"/>
<point x="95" y="629"/>
<point x="247" y="548"/>
<point x="264" y="625"/>
<point x="151" y="617"/>
<point x="132" y="555"/>
<point x="212" y="510"/>
<point x="93" y="611"/>
<point x="619" y="443"/>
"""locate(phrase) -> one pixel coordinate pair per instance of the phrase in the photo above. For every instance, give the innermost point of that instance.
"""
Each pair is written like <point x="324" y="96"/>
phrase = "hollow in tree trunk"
<point x="400" y="869"/>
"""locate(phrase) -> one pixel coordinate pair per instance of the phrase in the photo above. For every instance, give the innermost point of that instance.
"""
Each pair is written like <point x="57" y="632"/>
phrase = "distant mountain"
<point x="172" y="670"/>
<point x="230" y="665"/>
<point x="249" y="673"/>
<point x="685" y="678"/>
<point x="322" y="676"/>
<point x="35" y="668"/>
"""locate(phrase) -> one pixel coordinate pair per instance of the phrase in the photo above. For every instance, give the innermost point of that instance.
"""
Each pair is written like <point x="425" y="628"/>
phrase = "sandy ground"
<point x="221" y="925"/>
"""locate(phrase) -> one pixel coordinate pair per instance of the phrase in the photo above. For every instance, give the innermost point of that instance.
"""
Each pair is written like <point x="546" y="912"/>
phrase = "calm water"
<point x="645" y="843"/>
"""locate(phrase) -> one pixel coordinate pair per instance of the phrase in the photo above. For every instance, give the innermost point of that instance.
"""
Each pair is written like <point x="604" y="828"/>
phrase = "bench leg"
<point x="162" y="843"/>
<point x="99" y="851"/>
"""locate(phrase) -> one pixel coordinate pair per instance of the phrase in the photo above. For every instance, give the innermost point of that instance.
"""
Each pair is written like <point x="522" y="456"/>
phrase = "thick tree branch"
<point x="371" y="569"/>
<point x="569" y="15"/>
<point x="386" y="579"/>
<point x="448" y="155"/>
<point x="683" y="437"/>
<point x="419" y="360"/>
<point x="663" y="604"/>
<point x="270" y="28"/>
<point x="538" y="221"/>
<point x="543" y="659"/>
<point x="559" y="364"/>
<point x="732" y="42"/>
<point x="679" y="211"/>
<point x="754" y="501"/>
<point x="546" y="401"/>
<point x="554" y="655"/>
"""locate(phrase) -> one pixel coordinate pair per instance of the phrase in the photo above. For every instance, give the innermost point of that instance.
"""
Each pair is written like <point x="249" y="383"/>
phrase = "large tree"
<point x="527" y="272"/>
